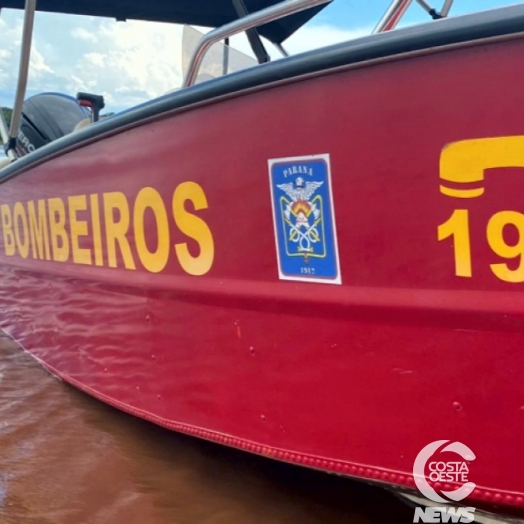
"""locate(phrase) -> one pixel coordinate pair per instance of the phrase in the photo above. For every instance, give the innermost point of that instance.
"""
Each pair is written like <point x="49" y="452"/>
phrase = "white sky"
<point x="127" y="62"/>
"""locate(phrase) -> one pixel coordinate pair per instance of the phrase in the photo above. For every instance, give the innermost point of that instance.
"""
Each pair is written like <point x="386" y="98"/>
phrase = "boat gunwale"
<point x="443" y="35"/>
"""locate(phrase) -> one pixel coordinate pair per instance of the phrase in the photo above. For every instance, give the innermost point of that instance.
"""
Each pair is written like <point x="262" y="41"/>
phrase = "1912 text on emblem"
<point x="304" y="219"/>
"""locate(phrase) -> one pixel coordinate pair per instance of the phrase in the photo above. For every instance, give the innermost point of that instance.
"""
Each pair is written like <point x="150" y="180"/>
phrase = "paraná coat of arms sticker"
<point x="304" y="219"/>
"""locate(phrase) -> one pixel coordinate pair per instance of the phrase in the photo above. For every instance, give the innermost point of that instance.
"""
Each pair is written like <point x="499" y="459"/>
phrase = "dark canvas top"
<point x="208" y="13"/>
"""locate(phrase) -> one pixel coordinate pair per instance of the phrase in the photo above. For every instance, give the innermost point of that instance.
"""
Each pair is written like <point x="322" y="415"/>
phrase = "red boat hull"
<point x="194" y="330"/>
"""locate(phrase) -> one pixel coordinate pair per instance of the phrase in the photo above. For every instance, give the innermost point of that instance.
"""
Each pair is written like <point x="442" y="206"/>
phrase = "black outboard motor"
<point x="46" y="117"/>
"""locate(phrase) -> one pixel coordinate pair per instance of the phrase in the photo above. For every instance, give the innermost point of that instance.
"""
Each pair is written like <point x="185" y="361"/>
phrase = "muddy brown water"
<point x="66" y="458"/>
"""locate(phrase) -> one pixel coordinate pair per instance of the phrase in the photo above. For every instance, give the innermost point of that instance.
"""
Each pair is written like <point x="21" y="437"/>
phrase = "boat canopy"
<point x="207" y="13"/>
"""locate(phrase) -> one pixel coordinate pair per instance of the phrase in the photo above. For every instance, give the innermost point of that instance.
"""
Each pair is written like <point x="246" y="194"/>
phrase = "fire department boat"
<point x="318" y="259"/>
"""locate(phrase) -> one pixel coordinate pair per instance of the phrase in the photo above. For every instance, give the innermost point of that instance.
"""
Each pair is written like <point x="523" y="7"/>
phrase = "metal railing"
<point x="288" y="7"/>
<point x="397" y="9"/>
<point x="390" y="19"/>
<point x="392" y="16"/>
<point x="270" y="14"/>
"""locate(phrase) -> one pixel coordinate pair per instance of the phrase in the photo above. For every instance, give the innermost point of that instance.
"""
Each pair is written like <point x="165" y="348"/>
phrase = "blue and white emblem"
<point x="304" y="219"/>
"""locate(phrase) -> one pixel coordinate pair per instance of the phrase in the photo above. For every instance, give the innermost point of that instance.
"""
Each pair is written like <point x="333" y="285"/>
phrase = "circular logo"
<point x="444" y="471"/>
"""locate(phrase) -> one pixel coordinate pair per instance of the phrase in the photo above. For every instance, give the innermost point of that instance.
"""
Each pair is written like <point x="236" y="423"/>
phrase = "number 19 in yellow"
<point x="457" y="227"/>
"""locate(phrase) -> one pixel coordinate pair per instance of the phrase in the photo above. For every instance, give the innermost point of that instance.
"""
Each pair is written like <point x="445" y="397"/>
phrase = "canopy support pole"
<point x="252" y="34"/>
<point x="23" y="71"/>
<point x="431" y="11"/>
<point x="225" y="61"/>
<point x="282" y="50"/>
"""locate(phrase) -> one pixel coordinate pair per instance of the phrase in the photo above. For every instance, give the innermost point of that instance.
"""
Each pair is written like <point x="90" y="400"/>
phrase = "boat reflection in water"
<point x="66" y="458"/>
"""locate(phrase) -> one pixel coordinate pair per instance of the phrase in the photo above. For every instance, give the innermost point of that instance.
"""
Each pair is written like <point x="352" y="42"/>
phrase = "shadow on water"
<point x="66" y="458"/>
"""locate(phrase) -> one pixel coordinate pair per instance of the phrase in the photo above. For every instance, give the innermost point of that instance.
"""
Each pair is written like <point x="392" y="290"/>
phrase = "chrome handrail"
<point x="397" y="9"/>
<point x="446" y="7"/>
<point x="270" y="14"/>
<point x="392" y="15"/>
